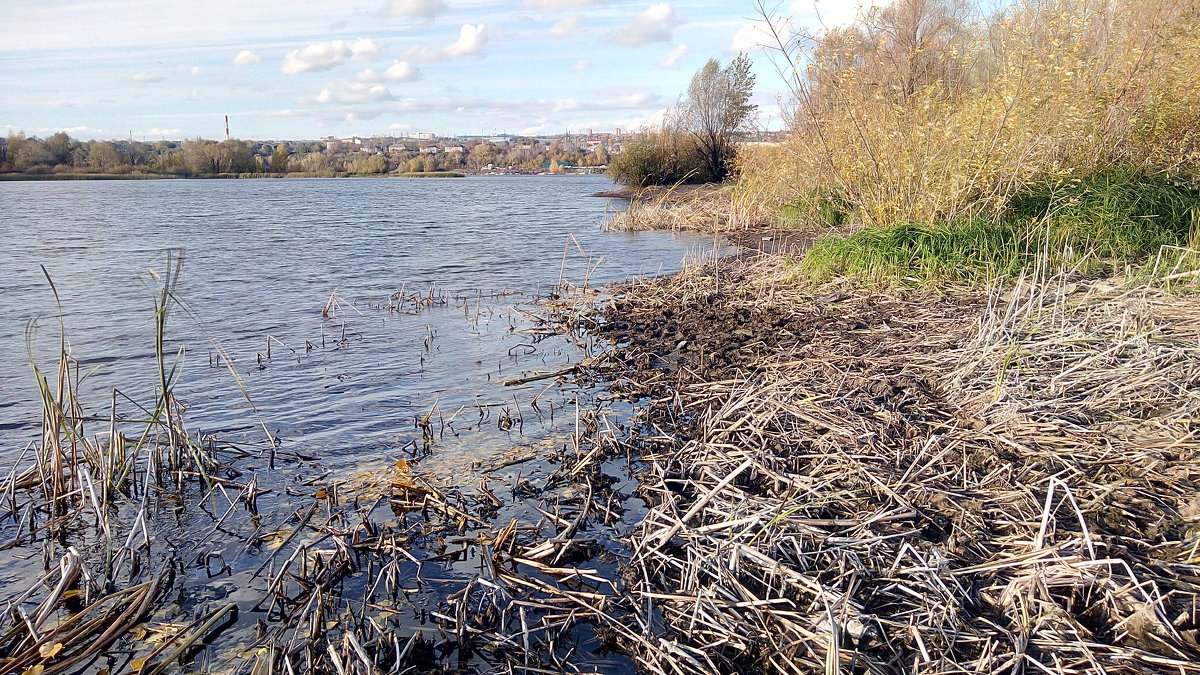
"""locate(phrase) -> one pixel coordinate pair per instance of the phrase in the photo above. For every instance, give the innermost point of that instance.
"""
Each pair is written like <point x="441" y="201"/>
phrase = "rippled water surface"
<point x="262" y="259"/>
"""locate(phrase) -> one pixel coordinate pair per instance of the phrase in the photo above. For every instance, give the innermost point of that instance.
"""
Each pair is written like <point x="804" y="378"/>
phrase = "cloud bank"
<point x="328" y="55"/>
<point x="653" y="25"/>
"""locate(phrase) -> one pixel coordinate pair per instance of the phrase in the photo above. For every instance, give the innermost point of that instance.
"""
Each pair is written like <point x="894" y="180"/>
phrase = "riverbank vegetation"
<point x="997" y="480"/>
<point x="956" y="433"/>
<point x="1066" y="128"/>
<point x="1064" y="125"/>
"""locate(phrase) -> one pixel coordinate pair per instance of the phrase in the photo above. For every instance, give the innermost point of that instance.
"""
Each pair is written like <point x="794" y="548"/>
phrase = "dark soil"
<point x="722" y="334"/>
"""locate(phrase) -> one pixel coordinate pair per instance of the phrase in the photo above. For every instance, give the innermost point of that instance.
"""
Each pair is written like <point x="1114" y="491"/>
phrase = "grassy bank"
<point x="963" y="145"/>
<point x="1098" y="225"/>
<point x="957" y="434"/>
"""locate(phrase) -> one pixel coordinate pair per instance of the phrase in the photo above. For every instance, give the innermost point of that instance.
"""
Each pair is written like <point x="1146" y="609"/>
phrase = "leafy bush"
<point x="666" y="157"/>
<point x="695" y="142"/>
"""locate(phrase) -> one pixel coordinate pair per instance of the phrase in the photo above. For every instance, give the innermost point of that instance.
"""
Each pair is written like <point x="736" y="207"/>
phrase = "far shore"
<point x="167" y="176"/>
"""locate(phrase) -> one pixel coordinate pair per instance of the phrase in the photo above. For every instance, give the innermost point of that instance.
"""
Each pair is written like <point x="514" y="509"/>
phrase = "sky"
<point x="307" y="69"/>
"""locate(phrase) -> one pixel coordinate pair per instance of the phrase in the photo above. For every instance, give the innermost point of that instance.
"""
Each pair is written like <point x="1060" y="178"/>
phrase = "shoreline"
<point x="826" y="445"/>
<point x="16" y="177"/>
<point x="761" y="476"/>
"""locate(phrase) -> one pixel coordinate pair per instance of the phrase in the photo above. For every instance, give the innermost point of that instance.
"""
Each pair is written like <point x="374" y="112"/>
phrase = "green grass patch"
<point x="816" y="209"/>
<point x="1095" y="224"/>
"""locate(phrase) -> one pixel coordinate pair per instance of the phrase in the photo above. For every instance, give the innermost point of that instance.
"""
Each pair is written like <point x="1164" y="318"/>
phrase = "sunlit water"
<point x="340" y="390"/>
<point x="262" y="259"/>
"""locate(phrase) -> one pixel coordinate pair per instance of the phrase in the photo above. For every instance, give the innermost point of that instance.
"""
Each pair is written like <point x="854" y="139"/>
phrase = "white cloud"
<point x="400" y="71"/>
<point x="568" y="27"/>
<point x="189" y="70"/>
<point x="581" y="65"/>
<point x="400" y="127"/>
<point x="246" y="58"/>
<point x="471" y="42"/>
<point x="756" y="35"/>
<point x="749" y="37"/>
<point x="146" y="78"/>
<point x="656" y="120"/>
<point x="354" y="92"/>
<point x="827" y="13"/>
<point x="425" y="10"/>
<point x="651" y="122"/>
<point x="671" y="60"/>
<point x="328" y="55"/>
<point x="561" y="4"/>
<point x="616" y="99"/>
<point x="160" y="133"/>
<point x="653" y="25"/>
<point x="82" y="133"/>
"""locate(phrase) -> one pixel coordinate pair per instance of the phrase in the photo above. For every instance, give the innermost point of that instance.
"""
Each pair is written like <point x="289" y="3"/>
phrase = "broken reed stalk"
<point x="78" y="482"/>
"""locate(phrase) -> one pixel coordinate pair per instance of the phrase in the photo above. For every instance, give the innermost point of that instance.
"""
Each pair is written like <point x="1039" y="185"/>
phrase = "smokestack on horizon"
<point x="227" y="127"/>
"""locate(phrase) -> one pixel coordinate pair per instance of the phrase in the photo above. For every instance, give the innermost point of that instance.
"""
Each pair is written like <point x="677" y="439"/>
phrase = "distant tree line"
<point x="61" y="154"/>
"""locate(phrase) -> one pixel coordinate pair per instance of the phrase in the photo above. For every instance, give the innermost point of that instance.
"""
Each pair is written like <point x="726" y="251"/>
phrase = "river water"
<point x="262" y="259"/>
<point x="373" y="324"/>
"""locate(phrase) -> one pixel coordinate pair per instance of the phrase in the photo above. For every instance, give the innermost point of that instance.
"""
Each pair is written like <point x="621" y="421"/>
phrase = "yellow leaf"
<point x="35" y="670"/>
<point x="138" y="664"/>
<point x="49" y="650"/>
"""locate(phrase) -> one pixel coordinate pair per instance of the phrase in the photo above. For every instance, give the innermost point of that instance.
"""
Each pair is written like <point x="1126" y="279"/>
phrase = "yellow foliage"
<point x="956" y="120"/>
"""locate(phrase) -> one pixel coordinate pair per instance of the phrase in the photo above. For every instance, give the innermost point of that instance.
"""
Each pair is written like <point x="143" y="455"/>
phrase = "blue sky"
<point x="313" y="68"/>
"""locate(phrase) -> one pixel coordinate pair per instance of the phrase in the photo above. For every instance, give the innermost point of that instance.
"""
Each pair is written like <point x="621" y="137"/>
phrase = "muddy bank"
<point x="968" y="482"/>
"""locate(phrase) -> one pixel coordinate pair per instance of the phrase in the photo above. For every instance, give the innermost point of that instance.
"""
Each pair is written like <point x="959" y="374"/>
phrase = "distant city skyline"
<point x="307" y="69"/>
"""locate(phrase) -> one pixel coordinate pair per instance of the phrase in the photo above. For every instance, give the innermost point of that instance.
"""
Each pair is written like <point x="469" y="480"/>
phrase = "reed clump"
<point x="978" y="141"/>
<point x="707" y="208"/>
<point x="85" y="495"/>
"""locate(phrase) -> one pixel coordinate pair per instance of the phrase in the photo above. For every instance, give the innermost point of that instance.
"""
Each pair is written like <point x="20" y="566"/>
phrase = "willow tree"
<point x="279" y="158"/>
<point x="717" y="106"/>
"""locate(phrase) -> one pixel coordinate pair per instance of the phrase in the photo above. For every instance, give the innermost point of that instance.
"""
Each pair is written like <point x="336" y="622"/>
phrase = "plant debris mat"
<point x="999" y="482"/>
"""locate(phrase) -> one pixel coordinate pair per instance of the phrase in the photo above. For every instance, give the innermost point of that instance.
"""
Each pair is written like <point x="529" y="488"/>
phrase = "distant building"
<point x="430" y="150"/>
<point x="455" y="148"/>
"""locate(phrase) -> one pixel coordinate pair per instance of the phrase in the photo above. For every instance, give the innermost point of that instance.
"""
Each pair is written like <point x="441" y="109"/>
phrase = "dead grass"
<point x="988" y="482"/>
<point x="924" y="111"/>
<point x="696" y="208"/>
